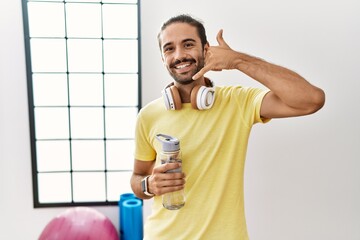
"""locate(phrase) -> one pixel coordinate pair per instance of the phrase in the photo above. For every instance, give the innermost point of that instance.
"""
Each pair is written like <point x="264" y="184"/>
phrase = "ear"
<point x="162" y="57"/>
<point x="206" y="47"/>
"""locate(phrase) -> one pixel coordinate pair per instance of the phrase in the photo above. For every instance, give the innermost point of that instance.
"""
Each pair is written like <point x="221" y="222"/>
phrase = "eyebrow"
<point x="183" y="41"/>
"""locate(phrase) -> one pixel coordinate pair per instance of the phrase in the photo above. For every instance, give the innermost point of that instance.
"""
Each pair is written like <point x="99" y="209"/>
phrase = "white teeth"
<point x="182" y="66"/>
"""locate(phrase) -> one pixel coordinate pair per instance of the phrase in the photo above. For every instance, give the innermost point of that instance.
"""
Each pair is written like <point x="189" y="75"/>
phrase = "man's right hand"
<point x="162" y="181"/>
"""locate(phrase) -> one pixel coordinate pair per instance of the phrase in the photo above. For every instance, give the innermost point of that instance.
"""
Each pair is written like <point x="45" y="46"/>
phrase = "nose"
<point x="179" y="54"/>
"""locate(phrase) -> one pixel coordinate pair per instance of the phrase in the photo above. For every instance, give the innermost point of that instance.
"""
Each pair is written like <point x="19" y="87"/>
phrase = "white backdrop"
<point x="302" y="176"/>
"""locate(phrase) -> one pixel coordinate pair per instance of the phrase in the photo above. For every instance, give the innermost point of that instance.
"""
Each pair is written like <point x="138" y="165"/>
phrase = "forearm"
<point x="292" y="89"/>
<point x="141" y="170"/>
<point x="290" y="95"/>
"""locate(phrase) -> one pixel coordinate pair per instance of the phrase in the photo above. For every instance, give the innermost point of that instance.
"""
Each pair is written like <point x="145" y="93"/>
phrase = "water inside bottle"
<point x="173" y="200"/>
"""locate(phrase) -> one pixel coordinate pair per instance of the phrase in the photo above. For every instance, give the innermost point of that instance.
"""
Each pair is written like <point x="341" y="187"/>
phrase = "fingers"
<point x="214" y="57"/>
<point x="220" y="39"/>
<point x="162" y="186"/>
<point x="164" y="181"/>
<point x="201" y="73"/>
<point x="167" y="167"/>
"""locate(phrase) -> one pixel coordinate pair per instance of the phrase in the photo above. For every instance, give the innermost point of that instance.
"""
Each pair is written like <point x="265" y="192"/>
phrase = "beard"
<point x="186" y="78"/>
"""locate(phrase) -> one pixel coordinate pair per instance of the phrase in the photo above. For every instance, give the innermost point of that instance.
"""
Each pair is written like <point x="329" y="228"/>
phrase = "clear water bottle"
<point x="170" y="154"/>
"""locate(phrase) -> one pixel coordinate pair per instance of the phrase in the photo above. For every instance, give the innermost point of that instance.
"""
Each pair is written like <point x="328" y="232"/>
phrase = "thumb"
<point x="221" y="40"/>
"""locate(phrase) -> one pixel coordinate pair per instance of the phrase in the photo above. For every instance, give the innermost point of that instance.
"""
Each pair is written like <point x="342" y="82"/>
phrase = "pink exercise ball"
<point x="80" y="223"/>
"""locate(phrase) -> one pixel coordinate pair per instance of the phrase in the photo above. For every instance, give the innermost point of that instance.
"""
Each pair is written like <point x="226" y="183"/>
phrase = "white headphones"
<point x="202" y="97"/>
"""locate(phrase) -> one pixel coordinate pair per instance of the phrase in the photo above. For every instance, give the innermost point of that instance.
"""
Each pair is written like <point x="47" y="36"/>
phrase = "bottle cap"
<point x="169" y="143"/>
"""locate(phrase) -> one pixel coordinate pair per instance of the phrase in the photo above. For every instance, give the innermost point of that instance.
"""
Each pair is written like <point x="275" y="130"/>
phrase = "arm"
<point x="290" y="94"/>
<point x="159" y="181"/>
<point x="141" y="170"/>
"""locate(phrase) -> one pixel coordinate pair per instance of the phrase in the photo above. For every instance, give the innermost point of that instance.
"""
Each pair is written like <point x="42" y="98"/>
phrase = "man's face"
<point x="181" y="51"/>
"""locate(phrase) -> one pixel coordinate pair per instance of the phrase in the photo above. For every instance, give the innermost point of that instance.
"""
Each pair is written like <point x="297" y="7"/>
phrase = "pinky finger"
<point x="199" y="74"/>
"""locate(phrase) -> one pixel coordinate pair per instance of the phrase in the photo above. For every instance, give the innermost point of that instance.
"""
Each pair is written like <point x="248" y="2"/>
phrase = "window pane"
<point x="83" y="20"/>
<point x="87" y="123"/>
<point x="51" y="123"/>
<point x="86" y="89"/>
<point x="89" y="187"/>
<point x="54" y="187"/>
<point x="46" y="19"/>
<point x="118" y="183"/>
<point x="121" y="89"/>
<point x="50" y="90"/>
<point x="120" y="1"/>
<point x="121" y="56"/>
<point x="48" y="55"/>
<point x="119" y="154"/>
<point x="44" y="0"/>
<point x="85" y="1"/>
<point x="53" y="155"/>
<point x="85" y="55"/>
<point x="120" y="21"/>
<point x="88" y="155"/>
<point x="120" y="122"/>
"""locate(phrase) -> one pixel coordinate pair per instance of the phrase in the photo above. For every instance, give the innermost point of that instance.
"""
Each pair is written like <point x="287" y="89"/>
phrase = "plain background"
<point x="302" y="176"/>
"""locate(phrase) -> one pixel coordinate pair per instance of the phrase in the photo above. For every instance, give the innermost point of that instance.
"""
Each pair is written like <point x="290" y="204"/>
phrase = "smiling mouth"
<point x="182" y="64"/>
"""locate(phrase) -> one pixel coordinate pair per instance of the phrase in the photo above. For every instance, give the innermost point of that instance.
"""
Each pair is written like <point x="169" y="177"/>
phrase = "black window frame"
<point x="31" y="107"/>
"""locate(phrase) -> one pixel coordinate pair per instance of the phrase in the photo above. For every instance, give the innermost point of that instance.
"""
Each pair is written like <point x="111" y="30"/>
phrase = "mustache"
<point x="190" y="60"/>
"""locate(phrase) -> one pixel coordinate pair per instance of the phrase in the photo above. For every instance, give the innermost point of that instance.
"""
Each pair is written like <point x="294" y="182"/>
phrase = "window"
<point x="83" y="77"/>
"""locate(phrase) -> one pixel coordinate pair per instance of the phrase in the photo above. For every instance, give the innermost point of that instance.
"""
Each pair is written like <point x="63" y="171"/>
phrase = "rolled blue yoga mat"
<point x="131" y="217"/>
<point x="123" y="197"/>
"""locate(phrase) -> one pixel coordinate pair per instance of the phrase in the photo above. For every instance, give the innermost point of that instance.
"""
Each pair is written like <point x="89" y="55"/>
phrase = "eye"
<point x="167" y="49"/>
<point x="188" y="44"/>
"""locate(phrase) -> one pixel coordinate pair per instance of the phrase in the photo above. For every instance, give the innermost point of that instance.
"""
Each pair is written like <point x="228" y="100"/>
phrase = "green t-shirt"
<point x="213" y="143"/>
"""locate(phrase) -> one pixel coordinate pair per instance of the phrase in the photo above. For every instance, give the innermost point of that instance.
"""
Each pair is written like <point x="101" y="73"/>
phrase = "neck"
<point x="185" y="89"/>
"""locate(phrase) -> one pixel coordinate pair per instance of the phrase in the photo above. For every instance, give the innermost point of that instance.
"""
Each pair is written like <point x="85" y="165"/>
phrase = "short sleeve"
<point x="144" y="151"/>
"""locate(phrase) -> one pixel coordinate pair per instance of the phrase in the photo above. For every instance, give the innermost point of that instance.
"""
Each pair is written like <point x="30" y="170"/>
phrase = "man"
<point x="213" y="140"/>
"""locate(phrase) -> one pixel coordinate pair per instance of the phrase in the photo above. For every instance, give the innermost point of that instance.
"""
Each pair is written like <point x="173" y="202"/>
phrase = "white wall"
<point x="302" y="174"/>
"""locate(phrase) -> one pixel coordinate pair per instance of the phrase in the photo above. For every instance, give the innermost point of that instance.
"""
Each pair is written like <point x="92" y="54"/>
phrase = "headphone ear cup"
<point x="193" y="96"/>
<point x="171" y="97"/>
<point x="176" y="97"/>
<point x="202" y="97"/>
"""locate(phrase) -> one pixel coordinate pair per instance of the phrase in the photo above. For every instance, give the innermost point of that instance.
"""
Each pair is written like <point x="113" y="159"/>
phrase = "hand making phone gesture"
<point x="219" y="57"/>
